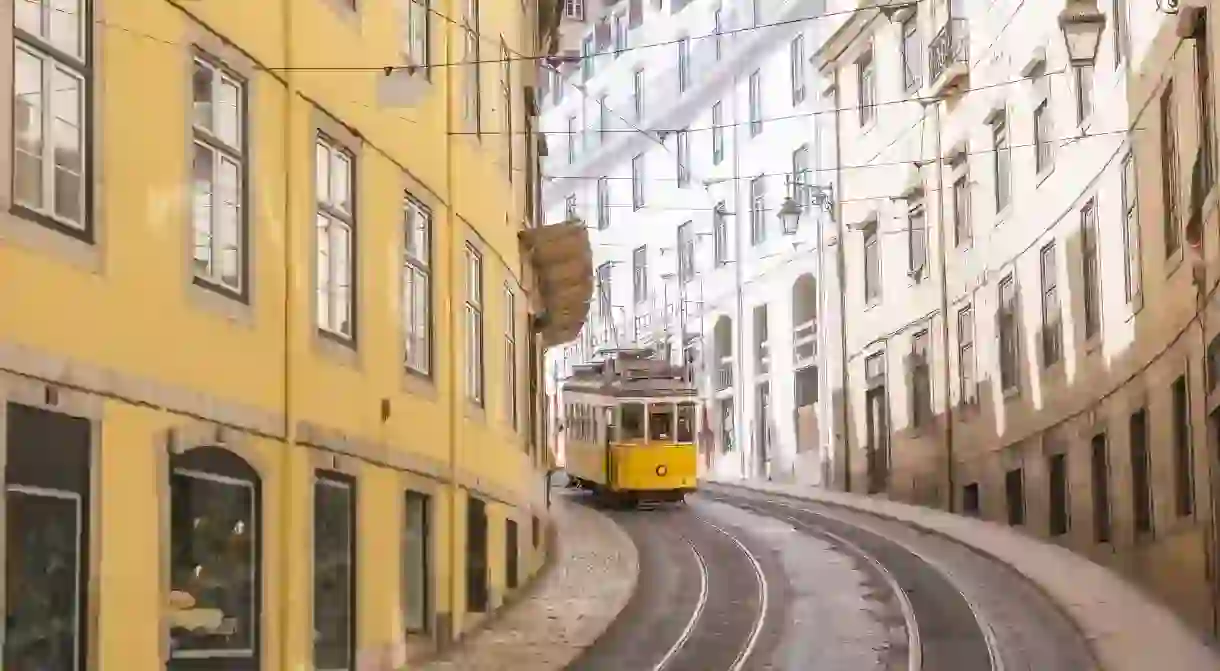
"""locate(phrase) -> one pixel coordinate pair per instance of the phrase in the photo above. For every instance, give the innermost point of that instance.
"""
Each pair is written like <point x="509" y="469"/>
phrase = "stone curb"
<point x="1126" y="629"/>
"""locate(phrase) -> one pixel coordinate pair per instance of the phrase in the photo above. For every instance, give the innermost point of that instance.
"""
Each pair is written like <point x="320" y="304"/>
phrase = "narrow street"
<point x="747" y="581"/>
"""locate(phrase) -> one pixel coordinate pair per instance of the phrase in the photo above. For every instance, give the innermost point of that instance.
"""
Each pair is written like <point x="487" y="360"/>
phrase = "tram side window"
<point x="661" y="422"/>
<point x="633" y="421"/>
<point x="686" y="423"/>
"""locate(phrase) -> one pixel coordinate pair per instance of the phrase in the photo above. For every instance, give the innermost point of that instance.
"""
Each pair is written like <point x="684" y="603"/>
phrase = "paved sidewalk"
<point x="1128" y="630"/>
<point x="595" y="572"/>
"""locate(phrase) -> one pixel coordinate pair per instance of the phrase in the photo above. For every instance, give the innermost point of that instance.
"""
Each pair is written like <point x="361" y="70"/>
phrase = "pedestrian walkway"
<point x="593" y="576"/>
<point x="1128" y="630"/>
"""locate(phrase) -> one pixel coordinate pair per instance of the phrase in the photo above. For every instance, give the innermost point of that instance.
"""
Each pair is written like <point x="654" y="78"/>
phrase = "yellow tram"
<point x="629" y="428"/>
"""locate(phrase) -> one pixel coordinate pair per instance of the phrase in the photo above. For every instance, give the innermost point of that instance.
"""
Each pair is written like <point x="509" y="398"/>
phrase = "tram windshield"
<point x="632" y="424"/>
<point x="686" y="423"/>
<point x="660" y="422"/>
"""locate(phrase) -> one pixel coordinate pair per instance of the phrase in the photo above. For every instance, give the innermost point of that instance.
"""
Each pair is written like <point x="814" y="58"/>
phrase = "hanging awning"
<point x="563" y="261"/>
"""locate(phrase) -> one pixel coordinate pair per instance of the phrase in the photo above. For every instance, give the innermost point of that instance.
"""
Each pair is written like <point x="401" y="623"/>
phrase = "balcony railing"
<point x="950" y="47"/>
<point x="724" y="374"/>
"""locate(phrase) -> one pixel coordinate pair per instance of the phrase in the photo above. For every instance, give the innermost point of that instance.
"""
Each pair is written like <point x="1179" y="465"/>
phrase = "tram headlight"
<point x="662" y="470"/>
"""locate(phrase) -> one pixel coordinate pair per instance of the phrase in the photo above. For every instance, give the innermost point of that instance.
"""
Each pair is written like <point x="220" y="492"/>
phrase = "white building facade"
<point x="677" y="143"/>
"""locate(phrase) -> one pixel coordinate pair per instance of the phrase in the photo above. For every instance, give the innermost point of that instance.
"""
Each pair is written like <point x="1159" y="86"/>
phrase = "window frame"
<point x="682" y="142"/>
<point x="603" y="203"/>
<point x="911" y="52"/>
<point x="866" y="86"/>
<point x="334" y="149"/>
<point x="476" y="392"/>
<point x="796" y="68"/>
<point x="1170" y="171"/>
<point x="511" y="381"/>
<point x="717" y="133"/>
<point x="755" y="102"/>
<point x="80" y="68"/>
<point x="967" y="383"/>
<point x="639" y="274"/>
<point x="872" y="264"/>
<point x="758" y="208"/>
<point x="338" y="480"/>
<point x="1002" y="147"/>
<point x="1132" y="231"/>
<point x="1009" y="334"/>
<point x="238" y="155"/>
<point x="720" y="235"/>
<point x="1051" y="306"/>
<point x="1090" y="266"/>
<point x="425" y="554"/>
<point x="686" y="252"/>
<point x="637" y="182"/>
<point x="416" y="266"/>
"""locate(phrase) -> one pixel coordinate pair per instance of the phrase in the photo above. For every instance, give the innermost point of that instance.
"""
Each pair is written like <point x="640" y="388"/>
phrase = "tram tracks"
<point x="944" y="629"/>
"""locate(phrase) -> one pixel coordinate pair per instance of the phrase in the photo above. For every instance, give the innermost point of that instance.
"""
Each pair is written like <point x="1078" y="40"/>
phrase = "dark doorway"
<point x="476" y="556"/>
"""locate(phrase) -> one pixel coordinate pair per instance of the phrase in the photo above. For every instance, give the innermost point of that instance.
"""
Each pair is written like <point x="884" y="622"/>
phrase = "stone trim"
<point x="382" y="454"/>
<point x="87" y="377"/>
<point x="87" y="252"/>
<point x="322" y="124"/>
<point x="19" y="389"/>
<point x="218" y="52"/>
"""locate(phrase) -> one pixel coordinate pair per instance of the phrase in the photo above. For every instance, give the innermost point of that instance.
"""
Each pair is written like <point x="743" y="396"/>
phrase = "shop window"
<point x="334" y="571"/>
<point x="47" y="540"/>
<point x="417" y="543"/>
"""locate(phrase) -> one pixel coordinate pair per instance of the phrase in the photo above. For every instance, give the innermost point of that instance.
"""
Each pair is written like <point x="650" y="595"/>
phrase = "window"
<point x="476" y="556"/>
<point x="218" y="170"/>
<point x="619" y="29"/>
<point x="474" y="325"/>
<point x="727" y="431"/>
<point x="1083" y="75"/>
<point x="637" y="181"/>
<point x="866" y="87"/>
<point x="805" y="386"/>
<point x="962" y="230"/>
<point x="569" y="206"/>
<point x="604" y="290"/>
<point x="1141" y="480"/>
<point x="717" y="133"/>
<point x="417" y="546"/>
<point x="215" y="540"/>
<point x="762" y="358"/>
<point x="1003" y="163"/>
<point x="1014" y="495"/>
<point x="512" y="555"/>
<point x="1183" y="459"/>
<point x="1044" y="157"/>
<point x="637" y="93"/>
<point x="1169" y="171"/>
<point x="756" y="12"/>
<point x="1057" y="474"/>
<point x="50" y="113"/>
<point x="872" y="266"/>
<point x="921" y="380"/>
<point x="683" y="142"/>
<point x="603" y="120"/>
<point x="917" y="239"/>
<point x="335" y="240"/>
<point x="660" y="422"/>
<point x="758" y="205"/>
<point x="718" y="31"/>
<point x="417" y="286"/>
<point x="1122" y="31"/>
<point x="686" y="423"/>
<point x="966" y="381"/>
<point x="510" y="356"/>
<point x="796" y="67"/>
<point x="683" y="64"/>
<point x="574" y="9"/>
<point x="1207" y="114"/>
<point x="603" y="203"/>
<point x="1100" y="468"/>
<point x="686" y="252"/>
<point x="804" y="321"/>
<point x="1090" y="270"/>
<point x="912" y="63"/>
<point x="334" y="571"/>
<point x="1052" y="327"/>
<point x="756" y="124"/>
<point x="720" y="235"/>
<point x="506" y="107"/>
<point x="1133" y="266"/>
<point x="571" y="139"/>
<point x="416" y="48"/>
<point x="800" y="176"/>
<point x="632" y="415"/>
<point x="472" y="95"/>
<point x="1008" y="327"/>
<point x="639" y="274"/>
<point x="587" y="50"/>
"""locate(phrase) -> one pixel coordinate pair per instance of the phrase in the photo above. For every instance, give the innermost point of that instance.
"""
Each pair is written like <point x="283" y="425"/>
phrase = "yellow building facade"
<point x="269" y="340"/>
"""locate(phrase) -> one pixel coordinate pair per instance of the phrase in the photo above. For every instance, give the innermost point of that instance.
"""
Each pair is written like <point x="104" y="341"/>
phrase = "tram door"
<point x="607" y="441"/>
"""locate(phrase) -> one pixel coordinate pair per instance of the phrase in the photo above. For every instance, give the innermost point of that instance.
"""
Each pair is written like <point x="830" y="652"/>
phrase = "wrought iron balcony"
<point x="949" y="53"/>
<point x="724" y="374"/>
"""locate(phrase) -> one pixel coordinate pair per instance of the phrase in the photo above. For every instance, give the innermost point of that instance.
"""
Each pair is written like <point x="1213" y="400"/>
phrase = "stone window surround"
<point x="413" y="382"/>
<point x="210" y="47"/>
<point x="85" y="251"/>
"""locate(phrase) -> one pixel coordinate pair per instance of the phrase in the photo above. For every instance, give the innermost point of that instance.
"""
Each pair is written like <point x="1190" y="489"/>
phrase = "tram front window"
<point x="686" y="423"/>
<point x="661" y="422"/>
<point x="632" y="422"/>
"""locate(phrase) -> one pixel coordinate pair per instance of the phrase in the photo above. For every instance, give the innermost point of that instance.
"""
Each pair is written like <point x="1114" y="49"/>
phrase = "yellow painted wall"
<point x="132" y="313"/>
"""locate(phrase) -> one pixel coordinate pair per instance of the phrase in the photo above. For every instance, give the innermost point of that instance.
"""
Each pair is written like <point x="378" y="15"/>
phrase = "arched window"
<point x="215" y="561"/>
<point x="804" y="321"/>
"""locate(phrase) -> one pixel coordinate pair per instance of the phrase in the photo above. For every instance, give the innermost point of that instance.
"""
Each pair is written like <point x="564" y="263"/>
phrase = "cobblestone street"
<point x="594" y="575"/>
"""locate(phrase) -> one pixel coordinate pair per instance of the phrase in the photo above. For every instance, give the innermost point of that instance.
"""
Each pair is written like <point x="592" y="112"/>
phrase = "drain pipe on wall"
<point x="290" y="97"/>
<point x="944" y="303"/>
<point x="841" y="269"/>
